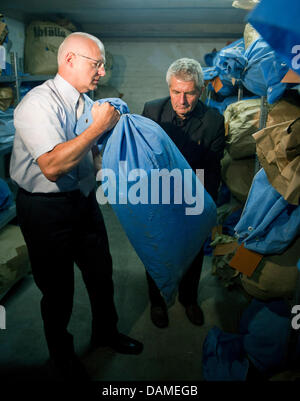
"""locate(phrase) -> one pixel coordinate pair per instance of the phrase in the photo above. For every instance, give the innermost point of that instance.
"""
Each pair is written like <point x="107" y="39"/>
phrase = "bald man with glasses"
<point x="56" y="203"/>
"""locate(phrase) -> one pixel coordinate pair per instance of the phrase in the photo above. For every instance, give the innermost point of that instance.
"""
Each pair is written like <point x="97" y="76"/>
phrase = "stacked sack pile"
<point x="263" y="76"/>
<point x="263" y="250"/>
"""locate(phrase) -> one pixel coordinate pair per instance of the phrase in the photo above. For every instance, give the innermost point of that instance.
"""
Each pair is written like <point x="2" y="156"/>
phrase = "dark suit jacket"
<point x="201" y="140"/>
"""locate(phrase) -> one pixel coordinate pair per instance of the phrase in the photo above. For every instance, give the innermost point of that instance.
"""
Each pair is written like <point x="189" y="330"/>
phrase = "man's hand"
<point x="105" y="117"/>
<point x="65" y="156"/>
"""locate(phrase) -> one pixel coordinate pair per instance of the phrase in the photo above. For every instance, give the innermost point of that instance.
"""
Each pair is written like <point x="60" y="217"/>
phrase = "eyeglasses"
<point x="98" y="63"/>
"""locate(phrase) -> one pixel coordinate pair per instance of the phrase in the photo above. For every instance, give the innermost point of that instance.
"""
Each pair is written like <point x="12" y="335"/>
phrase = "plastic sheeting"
<point x="7" y="129"/>
<point x="212" y="60"/>
<point x="223" y="357"/>
<point x="166" y="235"/>
<point x="278" y="23"/>
<point x="262" y="339"/>
<point x="221" y="106"/>
<point x="6" y="198"/>
<point x="259" y="69"/>
<point x="268" y="223"/>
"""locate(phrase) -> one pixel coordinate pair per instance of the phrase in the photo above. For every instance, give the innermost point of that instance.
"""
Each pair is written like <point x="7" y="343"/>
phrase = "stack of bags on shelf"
<point x="242" y="120"/>
<point x="265" y="245"/>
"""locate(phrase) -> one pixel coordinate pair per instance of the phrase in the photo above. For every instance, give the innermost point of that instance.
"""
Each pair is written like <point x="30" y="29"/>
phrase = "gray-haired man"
<point x="198" y="132"/>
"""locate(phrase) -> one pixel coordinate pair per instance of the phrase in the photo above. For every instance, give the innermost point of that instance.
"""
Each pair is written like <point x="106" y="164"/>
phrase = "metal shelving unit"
<point x="16" y="79"/>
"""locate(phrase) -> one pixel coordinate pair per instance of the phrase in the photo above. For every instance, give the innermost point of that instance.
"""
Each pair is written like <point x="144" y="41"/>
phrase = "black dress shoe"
<point x="159" y="316"/>
<point x="68" y="369"/>
<point x="194" y="314"/>
<point x="120" y="343"/>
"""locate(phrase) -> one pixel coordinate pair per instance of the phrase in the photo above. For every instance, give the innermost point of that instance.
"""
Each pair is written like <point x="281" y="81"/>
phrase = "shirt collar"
<point x="67" y="91"/>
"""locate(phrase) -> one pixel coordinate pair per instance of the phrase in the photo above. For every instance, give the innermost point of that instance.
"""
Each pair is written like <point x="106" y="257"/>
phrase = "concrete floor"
<point x="170" y="354"/>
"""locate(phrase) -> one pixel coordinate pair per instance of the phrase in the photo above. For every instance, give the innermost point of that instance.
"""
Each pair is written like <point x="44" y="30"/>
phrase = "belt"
<point x="70" y="194"/>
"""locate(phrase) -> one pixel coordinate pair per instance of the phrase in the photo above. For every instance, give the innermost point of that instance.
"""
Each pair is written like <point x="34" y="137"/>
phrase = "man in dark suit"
<point x="198" y="132"/>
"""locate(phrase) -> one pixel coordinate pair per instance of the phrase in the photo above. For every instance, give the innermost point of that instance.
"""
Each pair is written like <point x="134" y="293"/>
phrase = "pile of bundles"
<point x="263" y="250"/>
<point x="242" y="121"/>
<point x="269" y="225"/>
<point x="238" y="76"/>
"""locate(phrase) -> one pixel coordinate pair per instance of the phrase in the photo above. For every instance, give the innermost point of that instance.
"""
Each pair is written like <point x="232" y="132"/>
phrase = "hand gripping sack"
<point x="151" y="188"/>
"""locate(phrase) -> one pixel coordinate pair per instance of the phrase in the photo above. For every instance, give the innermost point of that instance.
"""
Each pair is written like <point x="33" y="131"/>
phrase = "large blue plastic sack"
<point x="212" y="71"/>
<point x="262" y="338"/>
<point x="268" y="223"/>
<point x="265" y="328"/>
<point x="6" y="197"/>
<point x="222" y="105"/>
<point x="278" y="23"/>
<point x="259" y="69"/>
<point x="224" y="357"/>
<point x="165" y="236"/>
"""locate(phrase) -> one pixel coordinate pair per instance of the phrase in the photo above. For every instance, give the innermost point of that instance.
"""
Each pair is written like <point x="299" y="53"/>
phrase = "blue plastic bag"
<point x="6" y="197"/>
<point x="262" y="338"/>
<point x="224" y="357"/>
<point x="259" y="69"/>
<point x="265" y="327"/>
<point x="212" y="71"/>
<point x="268" y="223"/>
<point x="278" y="23"/>
<point x="167" y="234"/>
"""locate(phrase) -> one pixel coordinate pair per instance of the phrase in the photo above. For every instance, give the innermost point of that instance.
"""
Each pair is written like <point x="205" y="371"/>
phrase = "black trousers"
<point x="60" y="229"/>
<point x="188" y="286"/>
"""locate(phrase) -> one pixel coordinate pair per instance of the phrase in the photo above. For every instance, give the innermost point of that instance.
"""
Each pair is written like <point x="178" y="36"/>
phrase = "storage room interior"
<point x="257" y="92"/>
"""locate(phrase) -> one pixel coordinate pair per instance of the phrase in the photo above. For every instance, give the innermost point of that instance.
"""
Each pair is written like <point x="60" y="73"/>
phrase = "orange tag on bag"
<point x="217" y="84"/>
<point x="245" y="261"/>
<point x="291" y="77"/>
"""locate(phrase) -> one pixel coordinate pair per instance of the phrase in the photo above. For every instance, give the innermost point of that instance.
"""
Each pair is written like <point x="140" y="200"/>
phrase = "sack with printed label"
<point x="43" y="39"/>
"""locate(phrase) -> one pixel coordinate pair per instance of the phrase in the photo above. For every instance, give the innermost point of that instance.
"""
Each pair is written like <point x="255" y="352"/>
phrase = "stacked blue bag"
<point x="228" y="94"/>
<point x="210" y="72"/>
<point x="262" y="339"/>
<point x="258" y="68"/>
<point x="6" y="197"/>
<point x="278" y="23"/>
<point x="268" y="224"/>
<point x="166" y="236"/>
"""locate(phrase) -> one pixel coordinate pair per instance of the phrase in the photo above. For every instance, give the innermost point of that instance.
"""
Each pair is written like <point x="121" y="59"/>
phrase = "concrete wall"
<point x="139" y="66"/>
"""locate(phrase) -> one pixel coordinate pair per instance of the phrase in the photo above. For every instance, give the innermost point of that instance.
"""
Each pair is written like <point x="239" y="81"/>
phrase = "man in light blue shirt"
<point x="56" y="203"/>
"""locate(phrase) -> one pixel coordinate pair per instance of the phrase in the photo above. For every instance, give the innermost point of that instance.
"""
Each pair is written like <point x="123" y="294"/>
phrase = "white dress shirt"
<point x="44" y="118"/>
